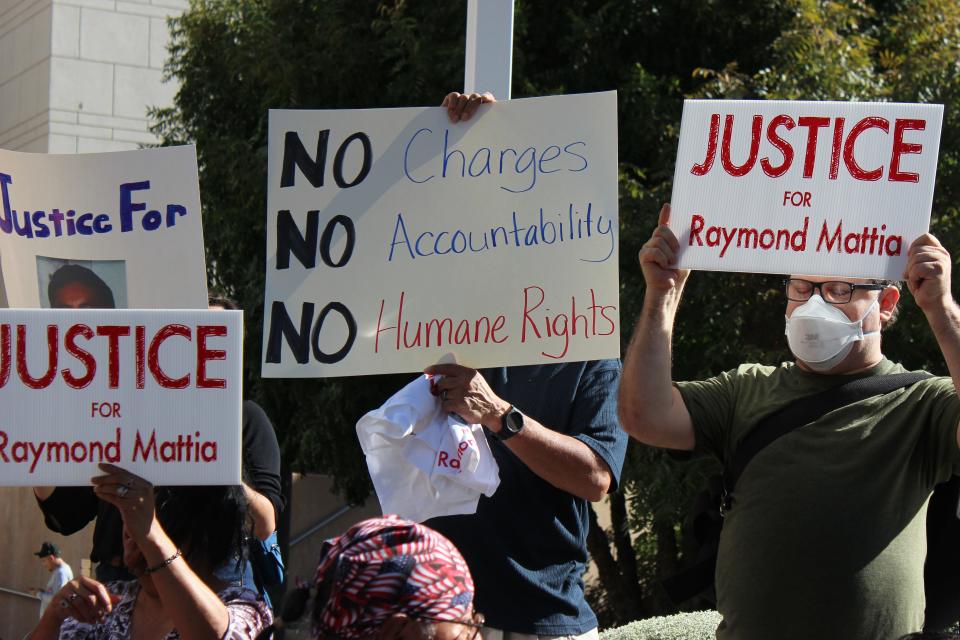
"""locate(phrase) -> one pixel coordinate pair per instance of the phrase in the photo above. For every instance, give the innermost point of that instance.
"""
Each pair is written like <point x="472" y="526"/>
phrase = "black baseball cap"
<point x="48" y="549"/>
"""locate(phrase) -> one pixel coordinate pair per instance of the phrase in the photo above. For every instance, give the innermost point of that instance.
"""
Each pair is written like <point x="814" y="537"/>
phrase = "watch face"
<point x="514" y="421"/>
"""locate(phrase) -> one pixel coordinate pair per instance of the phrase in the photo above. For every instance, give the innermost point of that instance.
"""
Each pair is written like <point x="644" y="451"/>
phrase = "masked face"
<point x="821" y="335"/>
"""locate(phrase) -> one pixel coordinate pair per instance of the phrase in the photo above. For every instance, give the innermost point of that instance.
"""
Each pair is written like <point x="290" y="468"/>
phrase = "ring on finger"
<point x="72" y="597"/>
<point x="122" y="490"/>
<point x="443" y="394"/>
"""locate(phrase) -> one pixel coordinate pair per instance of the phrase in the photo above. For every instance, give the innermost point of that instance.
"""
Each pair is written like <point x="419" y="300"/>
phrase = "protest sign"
<point x="114" y="229"/>
<point x="395" y="237"/>
<point x="155" y="392"/>
<point x="819" y="188"/>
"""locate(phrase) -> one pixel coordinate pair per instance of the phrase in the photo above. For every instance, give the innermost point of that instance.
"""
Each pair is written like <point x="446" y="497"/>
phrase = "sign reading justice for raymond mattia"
<point x="155" y="392"/>
<point x="395" y="238"/>
<point x="821" y="188"/>
<point x="124" y="226"/>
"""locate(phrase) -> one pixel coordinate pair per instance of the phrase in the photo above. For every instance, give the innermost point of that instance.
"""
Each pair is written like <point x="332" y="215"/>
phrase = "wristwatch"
<point x="510" y="424"/>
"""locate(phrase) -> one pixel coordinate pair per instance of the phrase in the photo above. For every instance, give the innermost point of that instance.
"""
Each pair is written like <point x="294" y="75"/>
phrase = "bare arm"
<point x="261" y="512"/>
<point x="928" y="277"/>
<point x="563" y="461"/>
<point x="651" y="408"/>
<point x="196" y="611"/>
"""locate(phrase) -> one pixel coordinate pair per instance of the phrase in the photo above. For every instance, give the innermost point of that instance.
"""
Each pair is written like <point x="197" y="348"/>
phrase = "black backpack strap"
<point x="808" y="409"/>
<point x="800" y="412"/>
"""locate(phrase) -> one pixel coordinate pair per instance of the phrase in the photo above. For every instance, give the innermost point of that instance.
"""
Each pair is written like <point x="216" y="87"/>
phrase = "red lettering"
<point x="4" y="354"/>
<point x="835" y="149"/>
<point x="782" y="145"/>
<point x="743" y="169"/>
<point x="153" y="356"/>
<point x="113" y="333"/>
<point x="53" y="351"/>
<point x="442" y="459"/>
<point x="526" y="313"/>
<point x="141" y="345"/>
<point x="84" y="356"/>
<point x="900" y="148"/>
<point x="849" y="157"/>
<point x="813" y="124"/>
<point x="696" y="226"/>
<point x="707" y="164"/>
<point x="204" y="354"/>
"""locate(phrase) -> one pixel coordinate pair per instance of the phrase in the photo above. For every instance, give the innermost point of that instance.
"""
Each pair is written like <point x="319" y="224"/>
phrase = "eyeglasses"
<point x="471" y="628"/>
<point x="832" y="291"/>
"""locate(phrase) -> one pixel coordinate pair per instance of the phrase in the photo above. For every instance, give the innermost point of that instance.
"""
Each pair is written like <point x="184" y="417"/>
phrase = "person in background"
<point x="60" y="573"/>
<point x="387" y="579"/>
<point x="173" y="540"/>
<point x="554" y="432"/>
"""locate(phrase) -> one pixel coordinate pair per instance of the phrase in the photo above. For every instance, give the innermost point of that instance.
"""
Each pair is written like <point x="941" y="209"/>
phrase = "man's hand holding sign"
<point x="829" y="461"/>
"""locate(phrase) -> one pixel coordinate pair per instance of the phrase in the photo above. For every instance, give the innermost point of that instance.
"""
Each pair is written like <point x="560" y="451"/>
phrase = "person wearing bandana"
<point x="825" y="536"/>
<point x="386" y="579"/>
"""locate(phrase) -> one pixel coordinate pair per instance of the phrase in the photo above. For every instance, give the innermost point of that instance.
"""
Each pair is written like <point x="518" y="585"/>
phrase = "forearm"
<point x="48" y="628"/>
<point x="565" y="462"/>
<point x="43" y="493"/>
<point x="196" y="611"/>
<point x="945" y="324"/>
<point x="261" y="512"/>
<point x="648" y="402"/>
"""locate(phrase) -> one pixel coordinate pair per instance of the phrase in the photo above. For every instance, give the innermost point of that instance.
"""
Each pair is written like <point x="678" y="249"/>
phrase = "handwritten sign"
<point x="820" y="188"/>
<point x="395" y="237"/>
<point x="122" y="229"/>
<point x="155" y="392"/>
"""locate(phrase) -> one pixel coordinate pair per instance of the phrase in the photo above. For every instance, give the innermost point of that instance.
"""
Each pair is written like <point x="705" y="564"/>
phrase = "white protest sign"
<point x="155" y="392"/>
<point x="820" y="188"/>
<point x="395" y="237"/>
<point x="105" y="230"/>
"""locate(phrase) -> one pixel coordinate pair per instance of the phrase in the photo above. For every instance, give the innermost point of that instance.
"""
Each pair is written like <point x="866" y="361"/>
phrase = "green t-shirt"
<point x="827" y="534"/>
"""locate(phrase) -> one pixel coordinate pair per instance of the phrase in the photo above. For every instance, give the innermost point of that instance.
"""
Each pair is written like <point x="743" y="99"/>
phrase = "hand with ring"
<point x="131" y="495"/>
<point x="83" y="599"/>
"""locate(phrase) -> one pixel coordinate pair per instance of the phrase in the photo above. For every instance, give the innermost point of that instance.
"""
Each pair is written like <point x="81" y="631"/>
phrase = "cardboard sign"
<point x="155" y="392"/>
<point x="819" y="188"/>
<point x="118" y="230"/>
<point x="395" y="238"/>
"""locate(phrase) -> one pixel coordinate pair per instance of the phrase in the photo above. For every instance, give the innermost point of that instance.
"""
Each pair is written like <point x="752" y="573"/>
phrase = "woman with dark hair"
<point x="174" y="539"/>
<point x="389" y="579"/>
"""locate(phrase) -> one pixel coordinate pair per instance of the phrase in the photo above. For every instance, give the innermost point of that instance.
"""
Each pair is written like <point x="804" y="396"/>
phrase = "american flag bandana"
<point x="384" y="566"/>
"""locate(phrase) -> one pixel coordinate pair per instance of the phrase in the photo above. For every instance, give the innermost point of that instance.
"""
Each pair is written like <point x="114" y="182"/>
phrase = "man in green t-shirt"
<point x="826" y="536"/>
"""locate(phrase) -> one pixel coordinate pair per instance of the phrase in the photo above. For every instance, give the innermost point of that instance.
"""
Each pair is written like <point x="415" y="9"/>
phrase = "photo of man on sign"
<point x="81" y="284"/>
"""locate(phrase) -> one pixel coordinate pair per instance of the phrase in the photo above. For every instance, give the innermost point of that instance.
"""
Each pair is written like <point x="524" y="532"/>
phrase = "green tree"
<point x="235" y="59"/>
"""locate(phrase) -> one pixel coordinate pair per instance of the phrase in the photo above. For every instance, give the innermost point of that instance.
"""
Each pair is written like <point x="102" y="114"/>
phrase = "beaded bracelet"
<point x="164" y="563"/>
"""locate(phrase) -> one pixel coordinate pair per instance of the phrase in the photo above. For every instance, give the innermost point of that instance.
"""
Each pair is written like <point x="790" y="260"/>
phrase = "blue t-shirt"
<point x="526" y="545"/>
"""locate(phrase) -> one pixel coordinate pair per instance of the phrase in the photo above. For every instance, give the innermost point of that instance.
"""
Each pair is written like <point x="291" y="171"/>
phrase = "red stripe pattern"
<point x="384" y="566"/>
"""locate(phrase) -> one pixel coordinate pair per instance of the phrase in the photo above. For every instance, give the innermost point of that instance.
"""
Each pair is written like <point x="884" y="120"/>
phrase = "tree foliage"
<point x="236" y="59"/>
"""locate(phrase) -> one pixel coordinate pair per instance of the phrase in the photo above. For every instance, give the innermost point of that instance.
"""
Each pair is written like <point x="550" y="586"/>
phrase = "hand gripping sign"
<point x="820" y="188"/>
<point x="155" y="392"/>
<point x="395" y="237"/>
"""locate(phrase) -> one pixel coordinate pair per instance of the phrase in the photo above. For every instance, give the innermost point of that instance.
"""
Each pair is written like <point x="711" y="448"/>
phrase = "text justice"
<point x="843" y="146"/>
<point x="146" y="355"/>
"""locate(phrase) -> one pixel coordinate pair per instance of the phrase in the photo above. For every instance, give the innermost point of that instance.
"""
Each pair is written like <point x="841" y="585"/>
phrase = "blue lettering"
<point x="173" y="212"/>
<point x="419" y="238"/>
<point x="544" y="159"/>
<point x="401" y="228"/>
<point x="127" y="206"/>
<point x="101" y="224"/>
<point x="41" y="228"/>
<point x="406" y="154"/>
<point x="6" y="222"/>
<point x="448" y="154"/>
<point x="486" y="163"/>
<point x="531" y="163"/>
<point x="567" y="150"/>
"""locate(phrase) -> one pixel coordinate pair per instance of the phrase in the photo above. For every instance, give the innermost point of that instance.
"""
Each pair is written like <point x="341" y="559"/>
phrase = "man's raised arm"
<point x="651" y="408"/>
<point x="928" y="277"/>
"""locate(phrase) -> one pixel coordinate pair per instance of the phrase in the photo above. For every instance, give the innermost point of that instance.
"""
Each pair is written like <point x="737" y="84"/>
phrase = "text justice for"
<point x="146" y="355"/>
<point x="843" y="146"/>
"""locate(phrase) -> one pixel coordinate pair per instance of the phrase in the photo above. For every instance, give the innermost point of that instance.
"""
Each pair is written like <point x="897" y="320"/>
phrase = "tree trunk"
<point x="610" y="578"/>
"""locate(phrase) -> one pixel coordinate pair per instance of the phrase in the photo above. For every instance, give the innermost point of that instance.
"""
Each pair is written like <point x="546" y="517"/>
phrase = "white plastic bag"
<point x="425" y="463"/>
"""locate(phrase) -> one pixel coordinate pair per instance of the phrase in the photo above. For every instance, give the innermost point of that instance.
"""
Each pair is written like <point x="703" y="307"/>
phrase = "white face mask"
<point x="821" y="335"/>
